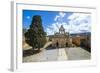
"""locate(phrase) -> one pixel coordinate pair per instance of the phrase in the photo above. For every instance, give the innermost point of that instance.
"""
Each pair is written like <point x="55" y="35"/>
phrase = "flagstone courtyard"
<point x="59" y="54"/>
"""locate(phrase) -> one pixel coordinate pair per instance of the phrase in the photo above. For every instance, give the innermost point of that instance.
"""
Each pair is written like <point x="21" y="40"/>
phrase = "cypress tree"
<point x="35" y="36"/>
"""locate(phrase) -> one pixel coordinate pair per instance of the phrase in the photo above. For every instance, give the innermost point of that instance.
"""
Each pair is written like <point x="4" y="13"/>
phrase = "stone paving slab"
<point x="60" y="54"/>
<point x="77" y="53"/>
<point x="45" y="55"/>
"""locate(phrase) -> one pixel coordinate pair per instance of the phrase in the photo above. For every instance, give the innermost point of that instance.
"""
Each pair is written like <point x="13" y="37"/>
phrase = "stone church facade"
<point x="60" y="39"/>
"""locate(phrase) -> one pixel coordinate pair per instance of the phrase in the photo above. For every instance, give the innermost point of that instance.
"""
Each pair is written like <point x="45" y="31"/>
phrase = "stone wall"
<point x="62" y="41"/>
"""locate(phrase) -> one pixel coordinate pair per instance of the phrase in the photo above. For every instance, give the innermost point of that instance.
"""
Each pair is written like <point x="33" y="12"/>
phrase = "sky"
<point x="73" y="22"/>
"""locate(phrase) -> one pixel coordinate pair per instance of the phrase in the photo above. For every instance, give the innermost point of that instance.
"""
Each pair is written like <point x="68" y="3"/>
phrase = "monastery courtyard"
<point x="55" y="52"/>
<point x="59" y="54"/>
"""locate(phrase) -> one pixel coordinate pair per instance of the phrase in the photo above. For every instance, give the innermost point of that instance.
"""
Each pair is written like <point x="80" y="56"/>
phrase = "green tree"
<point x="35" y="36"/>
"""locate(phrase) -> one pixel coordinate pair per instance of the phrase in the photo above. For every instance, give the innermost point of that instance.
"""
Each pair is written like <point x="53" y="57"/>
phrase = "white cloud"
<point x="75" y="23"/>
<point x="60" y="16"/>
<point x="80" y="22"/>
<point x="49" y="31"/>
<point x="56" y="17"/>
<point x="58" y="21"/>
<point x="55" y="28"/>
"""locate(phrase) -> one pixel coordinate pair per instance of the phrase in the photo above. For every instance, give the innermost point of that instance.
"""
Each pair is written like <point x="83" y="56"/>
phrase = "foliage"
<point x="35" y="36"/>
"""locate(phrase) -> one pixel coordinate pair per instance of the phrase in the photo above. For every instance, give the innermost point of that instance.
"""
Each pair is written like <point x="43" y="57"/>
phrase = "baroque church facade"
<point x="60" y="39"/>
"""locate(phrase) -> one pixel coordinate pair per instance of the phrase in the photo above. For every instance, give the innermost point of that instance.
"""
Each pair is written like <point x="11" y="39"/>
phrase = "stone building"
<point x="60" y="39"/>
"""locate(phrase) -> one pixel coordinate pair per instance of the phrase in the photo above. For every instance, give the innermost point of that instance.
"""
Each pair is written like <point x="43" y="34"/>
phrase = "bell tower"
<point x="61" y="30"/>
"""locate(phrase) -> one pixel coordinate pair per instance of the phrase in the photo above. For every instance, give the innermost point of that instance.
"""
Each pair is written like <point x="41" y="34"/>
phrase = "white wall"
<point x="5" y="35"/>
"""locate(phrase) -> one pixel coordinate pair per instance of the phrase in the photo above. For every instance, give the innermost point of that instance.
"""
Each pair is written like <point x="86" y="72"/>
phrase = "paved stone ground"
<point x="44" y="55"/>
<point x="60" y="54"/>
<point x="77" y="53"/>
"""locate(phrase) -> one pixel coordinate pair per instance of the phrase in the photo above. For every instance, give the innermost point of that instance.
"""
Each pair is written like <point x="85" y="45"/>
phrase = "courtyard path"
<point x="60" y="54"/>
<point x="77" y="53"/>
<point x="44" y="55"/>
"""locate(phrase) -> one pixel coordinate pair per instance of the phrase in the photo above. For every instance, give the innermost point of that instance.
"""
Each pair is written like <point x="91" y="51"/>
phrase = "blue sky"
<point x="47" y="17"/>
<point x="52" y="20"/>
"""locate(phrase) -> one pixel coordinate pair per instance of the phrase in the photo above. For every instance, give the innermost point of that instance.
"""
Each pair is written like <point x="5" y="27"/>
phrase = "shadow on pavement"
<point x="50" y="47"/>
<point x="30" y="52"/>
